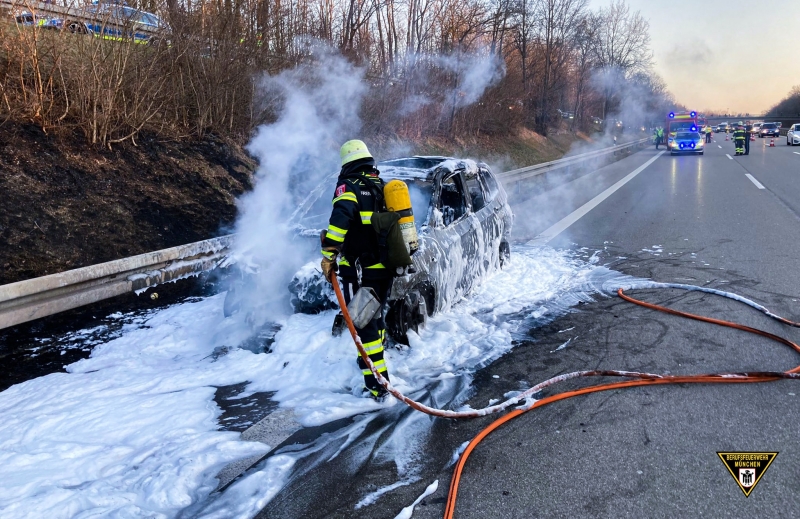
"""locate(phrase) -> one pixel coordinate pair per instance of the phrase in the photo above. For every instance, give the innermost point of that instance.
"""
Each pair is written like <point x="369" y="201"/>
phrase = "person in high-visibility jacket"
<point x="659" y="136"/>
<point x="351" y="238"/>
<point x="708" y="134"/>
<point x="748" y="131"/>
<point x="739" y="137"/>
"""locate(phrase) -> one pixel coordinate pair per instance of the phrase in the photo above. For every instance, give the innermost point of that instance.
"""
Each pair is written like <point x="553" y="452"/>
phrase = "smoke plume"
<point x="317" y="107"/>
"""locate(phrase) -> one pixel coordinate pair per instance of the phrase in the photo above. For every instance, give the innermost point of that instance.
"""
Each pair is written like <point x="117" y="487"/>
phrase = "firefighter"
<point x="748" y="129"/>
<point x="708" y="134"/>
<point x="351" y="239"/>
<point x="739" y="138"/>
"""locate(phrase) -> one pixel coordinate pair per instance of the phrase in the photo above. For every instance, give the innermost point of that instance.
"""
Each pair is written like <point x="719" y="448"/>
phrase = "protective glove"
<point x="329" y="264"/>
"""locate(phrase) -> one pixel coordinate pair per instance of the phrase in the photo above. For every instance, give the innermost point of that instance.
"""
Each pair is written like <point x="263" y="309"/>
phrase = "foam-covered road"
<point x="715" y="220"/>
<point x="141" y="428"/>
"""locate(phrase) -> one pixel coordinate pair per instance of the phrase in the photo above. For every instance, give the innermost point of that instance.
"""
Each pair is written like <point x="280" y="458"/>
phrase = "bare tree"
<point x="557" y="21"/>
<point x="622" y="46"/>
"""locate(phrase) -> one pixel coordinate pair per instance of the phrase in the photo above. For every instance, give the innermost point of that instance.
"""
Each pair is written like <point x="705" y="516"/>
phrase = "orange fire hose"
<point x="635" y="379"/>
<point x="648" y="380"/>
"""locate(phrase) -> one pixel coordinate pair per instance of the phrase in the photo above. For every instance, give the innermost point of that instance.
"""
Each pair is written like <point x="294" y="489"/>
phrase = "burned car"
<point x="463" y="220"/>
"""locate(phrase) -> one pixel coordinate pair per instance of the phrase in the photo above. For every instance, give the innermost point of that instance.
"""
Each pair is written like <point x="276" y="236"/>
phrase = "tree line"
<point x="788" y="106"/>
<point x="431" y="67"/>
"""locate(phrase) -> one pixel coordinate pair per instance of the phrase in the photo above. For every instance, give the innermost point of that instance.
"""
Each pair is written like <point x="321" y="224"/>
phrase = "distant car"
<point x="756" y="128"/>
<point x="769" y="130"/>
<point x="686" y="142"/>
<point x="566" y="114"/>
<point x="118" y="22"/>
<point x="28" y="19"/>
<point x="463" y="220"/>
<point x="793" y="135"/>
<point x="721" y="128"/>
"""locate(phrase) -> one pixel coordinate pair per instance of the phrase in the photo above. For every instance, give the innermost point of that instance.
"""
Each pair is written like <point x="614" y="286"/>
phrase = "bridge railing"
<point x="31" y="299"/>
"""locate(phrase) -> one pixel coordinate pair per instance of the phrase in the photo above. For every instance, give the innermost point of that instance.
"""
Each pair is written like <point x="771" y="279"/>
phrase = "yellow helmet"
<point x="354" y="150"/>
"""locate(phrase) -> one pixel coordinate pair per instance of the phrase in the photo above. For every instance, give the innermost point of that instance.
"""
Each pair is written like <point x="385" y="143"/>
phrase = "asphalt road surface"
<point x="716" y="220"/>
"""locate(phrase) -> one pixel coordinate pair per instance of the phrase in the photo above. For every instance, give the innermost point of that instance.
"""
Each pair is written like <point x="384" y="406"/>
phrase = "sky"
<point x="733" y="56"/>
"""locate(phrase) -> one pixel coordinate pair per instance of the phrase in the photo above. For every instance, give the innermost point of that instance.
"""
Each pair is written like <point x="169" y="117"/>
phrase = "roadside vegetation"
<point x="789" y="106"/>
<point x="450" y="68"/>
<point x="111" y="148"/>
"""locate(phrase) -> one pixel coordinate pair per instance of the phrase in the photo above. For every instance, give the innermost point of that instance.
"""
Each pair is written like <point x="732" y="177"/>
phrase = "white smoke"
<point x="473" y="73"/>
<point x="635" y="105"/>
<point x="316" y="107"/>
<point x="317" y="110"/>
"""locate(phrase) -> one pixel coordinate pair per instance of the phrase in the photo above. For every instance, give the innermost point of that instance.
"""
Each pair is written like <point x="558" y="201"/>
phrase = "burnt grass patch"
<point x="67" y="205"/>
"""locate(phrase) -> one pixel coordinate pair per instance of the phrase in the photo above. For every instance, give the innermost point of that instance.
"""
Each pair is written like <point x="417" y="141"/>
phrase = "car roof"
<point x="423" y="167"/>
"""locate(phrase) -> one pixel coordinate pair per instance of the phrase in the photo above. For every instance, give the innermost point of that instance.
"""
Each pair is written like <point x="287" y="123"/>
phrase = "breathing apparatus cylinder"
<point x="398" y="200"/>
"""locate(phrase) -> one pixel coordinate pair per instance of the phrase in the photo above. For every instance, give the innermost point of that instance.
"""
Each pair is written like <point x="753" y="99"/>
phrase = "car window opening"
<point x="475" y="193"/>
<point x="452" y="201"/>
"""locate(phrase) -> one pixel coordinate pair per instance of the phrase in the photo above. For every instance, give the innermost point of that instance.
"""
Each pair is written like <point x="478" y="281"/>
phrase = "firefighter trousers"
<point x="739" y="143"/>
<point x="373" y="336"/>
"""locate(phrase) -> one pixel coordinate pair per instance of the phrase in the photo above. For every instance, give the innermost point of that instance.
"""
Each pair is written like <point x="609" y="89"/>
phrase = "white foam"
<point x="133" y="431"/>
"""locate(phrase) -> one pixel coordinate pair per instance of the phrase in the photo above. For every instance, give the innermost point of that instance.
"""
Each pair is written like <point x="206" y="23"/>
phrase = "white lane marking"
<point x="578" y="213"/>
<point x="729" y="156"/>
<point x="718" y="146"/>
<point x="754" y="181"/>
<point x="796" y="152"/>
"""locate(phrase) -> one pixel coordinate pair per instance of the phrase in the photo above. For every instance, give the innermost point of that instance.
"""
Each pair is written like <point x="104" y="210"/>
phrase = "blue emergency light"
<point x="693" y="114"/>
<point x="694" y="128"/>
<point x="672" y="115"/>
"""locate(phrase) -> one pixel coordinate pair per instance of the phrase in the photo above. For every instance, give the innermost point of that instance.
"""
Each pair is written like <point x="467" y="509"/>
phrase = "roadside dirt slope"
<point x="65" y="205"/>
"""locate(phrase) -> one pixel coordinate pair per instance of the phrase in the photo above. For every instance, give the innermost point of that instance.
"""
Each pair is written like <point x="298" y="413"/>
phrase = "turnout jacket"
<point x="358" y="194"/>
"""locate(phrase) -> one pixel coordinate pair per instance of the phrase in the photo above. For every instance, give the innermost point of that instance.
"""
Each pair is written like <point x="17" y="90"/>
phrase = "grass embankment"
<point x="503" y="153"/>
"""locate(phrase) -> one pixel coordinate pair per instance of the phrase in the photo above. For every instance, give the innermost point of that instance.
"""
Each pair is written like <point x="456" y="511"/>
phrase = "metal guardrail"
<point x="31" y="299"/>
<point x="73" y="12"/>
<point x="538" y="169"/>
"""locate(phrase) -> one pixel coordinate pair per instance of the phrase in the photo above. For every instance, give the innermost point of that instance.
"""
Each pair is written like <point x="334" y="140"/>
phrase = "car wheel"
<point x="75" y="27"/>
<point x="408" y="313"/>
<point x="702" y="152"/>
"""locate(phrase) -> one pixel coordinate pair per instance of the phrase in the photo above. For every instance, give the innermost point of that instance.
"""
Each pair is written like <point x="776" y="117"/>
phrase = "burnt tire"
<point x="408" y="313"/>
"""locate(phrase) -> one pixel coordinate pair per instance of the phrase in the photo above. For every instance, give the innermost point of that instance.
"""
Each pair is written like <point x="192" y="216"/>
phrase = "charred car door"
<point x="488" y="229"/>
<point x="454" y="240"/>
